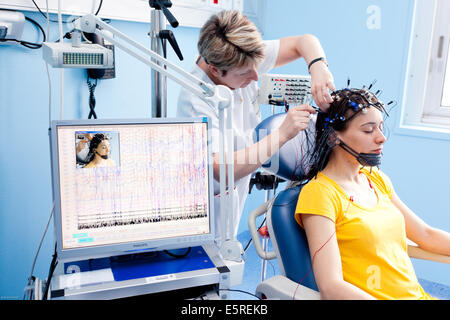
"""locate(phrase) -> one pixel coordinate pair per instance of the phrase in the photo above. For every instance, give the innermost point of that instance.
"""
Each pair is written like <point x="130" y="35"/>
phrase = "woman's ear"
<point x="214" y="71"/>
<point x="333" y="139"/>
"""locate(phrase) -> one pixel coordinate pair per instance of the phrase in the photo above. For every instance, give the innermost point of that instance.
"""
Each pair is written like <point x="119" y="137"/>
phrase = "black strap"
<point x="317" y="60"/>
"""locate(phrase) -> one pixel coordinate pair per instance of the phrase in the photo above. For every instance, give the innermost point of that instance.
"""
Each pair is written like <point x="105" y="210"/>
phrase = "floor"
<point x="252" y="275"/>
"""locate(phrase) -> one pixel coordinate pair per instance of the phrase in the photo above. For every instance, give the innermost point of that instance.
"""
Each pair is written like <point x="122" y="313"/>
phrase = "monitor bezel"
<point x="132" y="247"/>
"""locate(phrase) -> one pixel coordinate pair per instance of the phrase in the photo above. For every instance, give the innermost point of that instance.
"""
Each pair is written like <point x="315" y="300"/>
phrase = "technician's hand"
<point x="81" y="146"/>
<point x="321" y="83"/>
<point x="297" y="119"/>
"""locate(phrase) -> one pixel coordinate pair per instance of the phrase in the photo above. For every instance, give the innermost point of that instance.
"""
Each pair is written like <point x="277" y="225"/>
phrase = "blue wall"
<point x="352" y="50"/>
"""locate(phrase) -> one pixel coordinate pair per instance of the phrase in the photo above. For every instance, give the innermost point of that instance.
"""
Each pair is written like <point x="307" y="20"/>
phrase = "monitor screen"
<point x="130" y="186"/>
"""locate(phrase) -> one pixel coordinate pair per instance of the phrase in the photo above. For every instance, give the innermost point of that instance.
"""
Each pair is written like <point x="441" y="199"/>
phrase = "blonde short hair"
<point x="228" y="39"/>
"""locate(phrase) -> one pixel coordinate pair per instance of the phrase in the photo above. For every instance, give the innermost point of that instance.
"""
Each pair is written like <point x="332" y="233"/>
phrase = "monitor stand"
<point x="201" y="272"/>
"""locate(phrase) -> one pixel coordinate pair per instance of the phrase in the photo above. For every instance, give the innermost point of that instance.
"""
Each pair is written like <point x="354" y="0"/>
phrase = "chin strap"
<point x="105" y="157"/>
<point x="365" y="159"/>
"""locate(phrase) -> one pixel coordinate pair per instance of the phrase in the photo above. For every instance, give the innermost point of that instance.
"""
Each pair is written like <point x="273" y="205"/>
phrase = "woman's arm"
<point x="426" y="237"/>
<point x="309" y="48"/>
<point x="326" y="260"/>
<point x="251" y="158"/>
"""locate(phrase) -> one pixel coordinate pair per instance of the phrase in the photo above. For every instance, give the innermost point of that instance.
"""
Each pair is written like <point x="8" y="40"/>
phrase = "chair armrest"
<point x="282" y="288"/>
<point x="418" y="253"/>
<point x="254" y="230"/>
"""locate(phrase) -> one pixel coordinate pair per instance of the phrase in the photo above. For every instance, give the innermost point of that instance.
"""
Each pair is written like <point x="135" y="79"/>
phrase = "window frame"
<point x="438" y="64"/>
<point x="425" y="73"/>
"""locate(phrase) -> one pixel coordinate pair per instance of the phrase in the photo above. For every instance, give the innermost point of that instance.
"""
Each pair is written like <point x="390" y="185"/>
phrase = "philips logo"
<point x="139" y="245"/>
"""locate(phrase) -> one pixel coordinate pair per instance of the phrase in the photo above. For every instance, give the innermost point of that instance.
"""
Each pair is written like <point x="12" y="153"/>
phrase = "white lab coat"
<point x="246" y="116"/>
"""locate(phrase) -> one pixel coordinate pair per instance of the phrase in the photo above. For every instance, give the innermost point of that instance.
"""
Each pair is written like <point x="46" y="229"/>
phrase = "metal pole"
<point x="159" y="83"/>
<point x="264" y="245"/>
<point x="265" y="240"/>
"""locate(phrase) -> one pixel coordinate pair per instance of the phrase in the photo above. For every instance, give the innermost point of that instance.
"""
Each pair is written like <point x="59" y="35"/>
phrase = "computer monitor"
<point x="128" y="186"/>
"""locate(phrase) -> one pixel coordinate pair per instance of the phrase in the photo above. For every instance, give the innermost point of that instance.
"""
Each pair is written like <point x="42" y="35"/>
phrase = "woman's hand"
<point x="321" y="83"/>
<point x="297" y="119"/>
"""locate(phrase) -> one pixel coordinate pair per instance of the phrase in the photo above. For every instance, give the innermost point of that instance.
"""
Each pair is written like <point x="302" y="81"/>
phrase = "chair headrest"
<point x="289" y="162"/>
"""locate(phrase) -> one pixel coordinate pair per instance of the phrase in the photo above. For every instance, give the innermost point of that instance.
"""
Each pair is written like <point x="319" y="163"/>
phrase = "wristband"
<point x="316" y="60"/>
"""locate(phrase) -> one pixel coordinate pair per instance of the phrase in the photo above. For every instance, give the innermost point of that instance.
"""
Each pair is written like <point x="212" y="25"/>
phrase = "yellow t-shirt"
<point x="372" y="241"/>
<point x="105" y="163"/>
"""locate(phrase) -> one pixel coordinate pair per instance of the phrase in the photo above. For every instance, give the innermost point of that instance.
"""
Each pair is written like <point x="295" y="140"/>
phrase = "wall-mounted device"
<point x="77" y="54"/>
<point x="11" y="24"/>
<point x="86" y="56"/>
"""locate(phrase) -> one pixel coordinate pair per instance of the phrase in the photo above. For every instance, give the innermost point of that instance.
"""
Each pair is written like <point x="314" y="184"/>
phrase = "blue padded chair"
<point x="290" y="249"/>
<point x="288" y="238"/>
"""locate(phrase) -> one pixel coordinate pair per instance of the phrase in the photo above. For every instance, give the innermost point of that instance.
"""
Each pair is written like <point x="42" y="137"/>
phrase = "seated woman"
<point x="356" y="225"/>
<point x="99" y="149"/>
